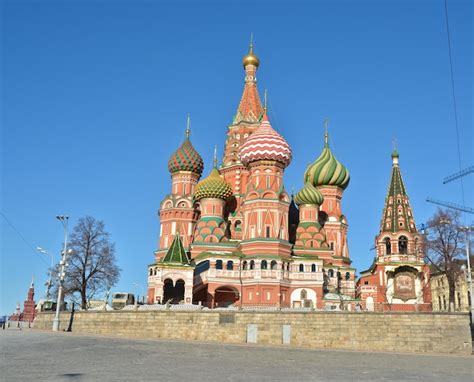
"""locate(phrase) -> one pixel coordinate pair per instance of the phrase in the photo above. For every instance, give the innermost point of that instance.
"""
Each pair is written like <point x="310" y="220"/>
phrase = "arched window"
<point x="331" y="273"/>
<point x="388" y="246"/>
<point x="151" y="272"/>
<point x="230" y="265"/>
<point x="155" y="271"/>
<point x="287" y="266"/>
<point x="264" y="264"/>
<point x="273" y="265"/>
<point x="237" y="224"/>
<point x="313" y="267"/>
<point x="244" y="265"/>
<point x="348" y="276"/>
<point x="402" y="244"/>
<point x="303" y="294"/>
<point x="301" y="268"/>
<point x="252" y="264"/>
<point x="218" y="264"/>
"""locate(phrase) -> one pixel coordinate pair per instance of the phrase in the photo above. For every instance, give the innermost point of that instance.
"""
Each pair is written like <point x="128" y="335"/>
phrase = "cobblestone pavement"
<point x="44" y="356"/>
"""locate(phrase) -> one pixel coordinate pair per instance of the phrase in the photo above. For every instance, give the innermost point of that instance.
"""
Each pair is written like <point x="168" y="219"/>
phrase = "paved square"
<point x="45" y="356"/>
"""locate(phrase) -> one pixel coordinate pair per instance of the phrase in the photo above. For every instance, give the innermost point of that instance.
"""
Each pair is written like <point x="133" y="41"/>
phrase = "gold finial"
<point x="214" y="160"/>
<point x="188" y="127"/>
<point x="326" y="134"/>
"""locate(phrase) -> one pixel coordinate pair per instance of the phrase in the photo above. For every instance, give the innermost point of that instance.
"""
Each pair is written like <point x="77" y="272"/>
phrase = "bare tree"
<point x="445" y="247"/>
<point x="92" y="267"/>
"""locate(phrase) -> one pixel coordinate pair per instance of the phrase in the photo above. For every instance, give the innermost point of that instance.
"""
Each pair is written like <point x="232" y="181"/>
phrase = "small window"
<point x="331" y="273"/>
<point x="313" y="267"/>
<point x="303" y="294"/>
<point x="301" y="268"/>
<point x="267" y="232"/>
<point x="348" y="276"/>
<point x="263" y="264"/>
<point x="388" y="246"/>
<point x="273" y="265"/>
<point x="366" y="283"/>
<point x="403" y="245"/>
<point x="252" y="264"/>
<point x="230" y="265"/>
<point x="244" y="265"/>
<point x="218" y="264"/>
<point x="151" y="272"/>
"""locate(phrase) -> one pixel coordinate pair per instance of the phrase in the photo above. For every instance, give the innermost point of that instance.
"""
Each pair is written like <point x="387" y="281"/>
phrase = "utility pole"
<point x="64" y="221"/>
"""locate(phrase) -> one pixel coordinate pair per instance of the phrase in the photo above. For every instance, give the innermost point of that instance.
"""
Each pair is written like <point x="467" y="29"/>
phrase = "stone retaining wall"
<point x="400" y="332"/>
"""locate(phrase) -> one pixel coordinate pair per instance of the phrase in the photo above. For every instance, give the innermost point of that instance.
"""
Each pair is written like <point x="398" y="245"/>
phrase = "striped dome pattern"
<point x="186" y="158"/>
<point x="214" y="186"/>
<point x="265" y="144"/>
<point x="327" y="171"/>
<point x="309" y="195"/>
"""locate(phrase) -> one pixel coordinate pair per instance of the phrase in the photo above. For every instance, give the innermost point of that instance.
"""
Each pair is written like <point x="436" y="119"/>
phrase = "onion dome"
<point x="186" y="158"/>
<point x="327" y="170"/>
<point x="214" y="186"/>
<point x="309" y="195"/>
<point x="250" y="58"/>
<point x="265" y="144"/>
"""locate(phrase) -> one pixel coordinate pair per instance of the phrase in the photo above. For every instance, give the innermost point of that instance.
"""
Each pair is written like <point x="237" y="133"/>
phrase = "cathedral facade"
<point x="237" y="238"/>
<point x="399" y="278"/>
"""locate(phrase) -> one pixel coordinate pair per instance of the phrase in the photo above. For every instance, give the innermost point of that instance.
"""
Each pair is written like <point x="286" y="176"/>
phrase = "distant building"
<point x="440" y="292"/>
<point x="237" y="237"/>
<point x="29" y="307"/>
<point x="398" y="279"/>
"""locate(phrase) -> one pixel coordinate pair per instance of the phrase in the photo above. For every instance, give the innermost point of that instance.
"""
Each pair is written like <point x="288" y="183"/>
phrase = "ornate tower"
<point x="399" y="278"/>
<point x="177" y="210"/>
<point x="310" y="233"/>
<point x="29" y="311"/>
<point x="331" y="178"/>
<point x="266" y="154"/>
<point x="245" y="122"/>
<point x="212" y="193"/>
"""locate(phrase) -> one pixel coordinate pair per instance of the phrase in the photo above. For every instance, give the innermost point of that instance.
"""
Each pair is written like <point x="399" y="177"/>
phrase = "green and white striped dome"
<point x="309" y="195"/>
<point x="327" y="170"/>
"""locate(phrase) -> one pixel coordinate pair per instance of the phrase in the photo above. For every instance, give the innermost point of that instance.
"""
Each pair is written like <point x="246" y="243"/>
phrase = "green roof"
<point x="397" y="208"/>
<point x="176" y="253"/>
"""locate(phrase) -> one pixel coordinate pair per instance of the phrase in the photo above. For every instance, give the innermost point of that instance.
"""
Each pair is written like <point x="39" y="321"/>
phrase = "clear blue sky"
<point x="95" y="97"/>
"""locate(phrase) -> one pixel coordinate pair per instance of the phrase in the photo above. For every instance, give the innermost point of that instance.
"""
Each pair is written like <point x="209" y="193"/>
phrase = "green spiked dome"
<point x="186" y="158"/>
<point x="309" y="195"/>
<point x="213" y="187"/>
<point x="327" y="170"/>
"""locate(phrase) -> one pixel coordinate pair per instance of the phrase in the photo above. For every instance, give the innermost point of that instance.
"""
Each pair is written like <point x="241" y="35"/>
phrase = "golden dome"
<point x="251" y="59"/>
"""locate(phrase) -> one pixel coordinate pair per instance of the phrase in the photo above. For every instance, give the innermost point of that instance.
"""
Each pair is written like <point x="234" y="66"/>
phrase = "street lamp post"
<point x="141" y="290"/>
<point x="50" y="280"/>
<point x="64" y="221"/>
<point x="466" y="231"/>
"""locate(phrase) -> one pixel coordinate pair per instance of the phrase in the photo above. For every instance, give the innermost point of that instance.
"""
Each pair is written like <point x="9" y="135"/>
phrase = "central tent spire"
<point x="250" y="107"/>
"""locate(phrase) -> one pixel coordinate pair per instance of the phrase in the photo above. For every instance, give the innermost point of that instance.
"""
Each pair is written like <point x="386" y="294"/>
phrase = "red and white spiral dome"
<point x="265" y="144"/>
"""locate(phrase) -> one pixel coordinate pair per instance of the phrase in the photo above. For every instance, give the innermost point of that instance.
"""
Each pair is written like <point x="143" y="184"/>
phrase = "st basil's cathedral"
<point x="236" y="238"/>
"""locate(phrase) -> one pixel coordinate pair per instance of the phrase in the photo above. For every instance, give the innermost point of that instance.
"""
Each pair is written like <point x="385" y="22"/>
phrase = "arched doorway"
<point x="173" y="294"/>
<point x="225" y="296"/>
